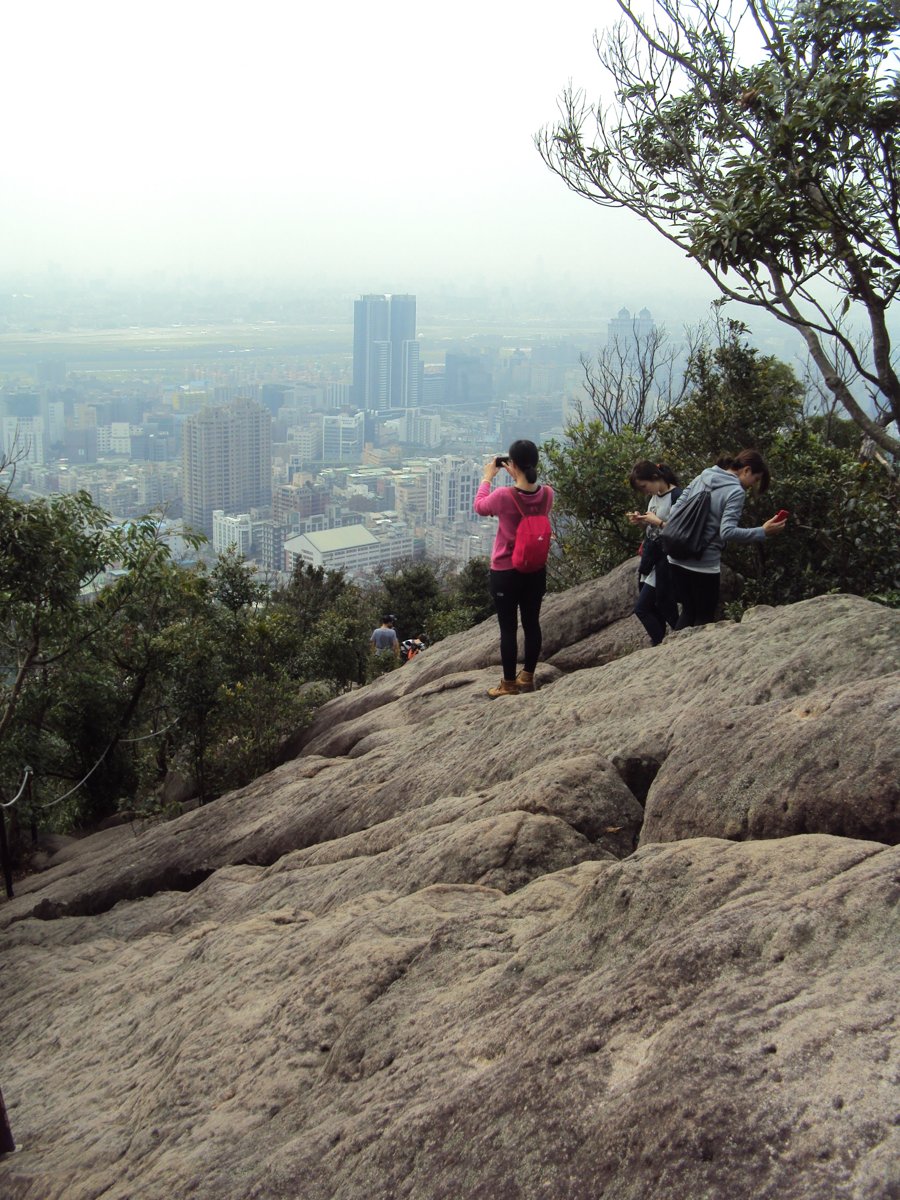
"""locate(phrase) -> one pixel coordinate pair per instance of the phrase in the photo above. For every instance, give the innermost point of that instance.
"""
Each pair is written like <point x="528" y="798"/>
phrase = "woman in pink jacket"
<point x="515" y="592"/>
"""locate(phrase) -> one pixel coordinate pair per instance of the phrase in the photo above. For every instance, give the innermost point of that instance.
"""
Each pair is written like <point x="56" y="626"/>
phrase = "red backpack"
<point x="532" y="544"/>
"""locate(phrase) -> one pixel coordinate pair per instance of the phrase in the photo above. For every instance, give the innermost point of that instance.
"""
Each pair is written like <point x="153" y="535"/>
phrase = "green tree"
<point x="197" y="672"/>
<point x="55" y="549"/>
<point x="336" y="649"/>
<point x="74" y="658"/>
<point x="253" y="718"/>
<point x="76" y="723"/>
<point x="465" y="600"/>
<point x="470" y="590"/>
<point x="235" y="584"/>
<point x="842" y="535"/>
<point x="734" y="399"/>
<point x="310" y="591"/>
<point x="51" y="549"/>
<point x="589" y="474"/>
<point x="779" y="175"/>
<point x="412" y="591"/>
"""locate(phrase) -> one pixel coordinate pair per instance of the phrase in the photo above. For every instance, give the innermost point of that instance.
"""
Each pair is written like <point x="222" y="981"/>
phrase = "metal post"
<point x="32" y="811"/>
<point x="4" y="856"/>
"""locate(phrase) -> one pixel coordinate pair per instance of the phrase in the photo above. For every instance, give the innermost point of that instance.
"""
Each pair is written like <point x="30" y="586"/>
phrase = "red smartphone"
<point x="782" y="514"/>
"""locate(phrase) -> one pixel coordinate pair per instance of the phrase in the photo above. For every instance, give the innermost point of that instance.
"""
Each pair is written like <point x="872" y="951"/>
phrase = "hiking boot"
<point x="525" y="680"/>
<point x="506" y="687"/>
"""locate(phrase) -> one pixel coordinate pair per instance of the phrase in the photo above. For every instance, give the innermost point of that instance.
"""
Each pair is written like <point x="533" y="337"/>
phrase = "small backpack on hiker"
<point x="411" y="647"/>
<point x="532" y="545"/>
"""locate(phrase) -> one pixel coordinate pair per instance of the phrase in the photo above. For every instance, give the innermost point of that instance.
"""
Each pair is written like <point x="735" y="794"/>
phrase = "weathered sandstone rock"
<point x="444" y="739"/>
<point x="567" y="618"/>
<point x="702" y="1019"/>
<point x="827" y="763"/>
<point x="421" y="959"/>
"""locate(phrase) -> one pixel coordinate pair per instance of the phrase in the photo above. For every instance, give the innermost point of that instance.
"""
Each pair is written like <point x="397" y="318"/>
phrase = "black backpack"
<point x="684" y="535"/>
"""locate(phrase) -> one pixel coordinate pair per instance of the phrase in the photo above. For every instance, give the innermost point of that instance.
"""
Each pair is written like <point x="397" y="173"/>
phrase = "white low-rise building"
<point x="460" y="541"/>
<point x="232" y="532"/>
<point x="351" y="548"/>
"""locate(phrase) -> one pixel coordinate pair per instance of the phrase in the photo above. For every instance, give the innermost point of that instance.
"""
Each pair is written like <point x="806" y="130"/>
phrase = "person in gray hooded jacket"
<point x="696" y="580"/>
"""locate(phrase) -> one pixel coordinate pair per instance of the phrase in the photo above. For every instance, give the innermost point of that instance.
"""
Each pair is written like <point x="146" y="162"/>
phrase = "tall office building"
<point x="342" y="436"/>
<point x="410" y="376"/>
<point x="338" y="395"/>
<point x="452" y="484"/>
<point x="226" y="462"/>
<point x="274" y="395"/>
<point x="20" y="404"/>
<point x="385" y="353"/>
<point x="51" y="371"/>
<point x="629" y="332"/>
<point x="468" y="380"/>
<point x="404" y="352"/>
<point x="371" y="352"/>
<point x="23" y="439"/>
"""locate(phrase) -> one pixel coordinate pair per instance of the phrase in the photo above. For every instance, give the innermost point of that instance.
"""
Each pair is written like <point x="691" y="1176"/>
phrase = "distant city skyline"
<point x="78" y="323"/>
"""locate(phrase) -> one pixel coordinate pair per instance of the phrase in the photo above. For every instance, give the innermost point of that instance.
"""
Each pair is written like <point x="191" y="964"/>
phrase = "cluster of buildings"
<point x="310" y="466"/>
<point x="360" y="518"/>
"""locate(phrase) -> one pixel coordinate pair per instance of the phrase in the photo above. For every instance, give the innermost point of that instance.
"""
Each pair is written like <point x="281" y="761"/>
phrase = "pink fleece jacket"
<point x="501" y="503"/>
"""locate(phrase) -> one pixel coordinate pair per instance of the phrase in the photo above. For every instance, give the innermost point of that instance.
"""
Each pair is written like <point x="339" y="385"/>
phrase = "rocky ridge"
<point x="632" y="935"/>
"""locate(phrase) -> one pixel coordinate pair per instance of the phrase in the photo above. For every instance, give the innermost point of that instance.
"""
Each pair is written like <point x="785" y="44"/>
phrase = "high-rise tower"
<point x="385" y="352"/>
<point x="371" y="352"/>
<point x="404" y="351"/>
<point x="226" y="462"/>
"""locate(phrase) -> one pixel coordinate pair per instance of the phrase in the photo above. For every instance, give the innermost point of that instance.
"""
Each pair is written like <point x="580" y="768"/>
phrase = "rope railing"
<point x="145" y="736"/>
<point x="59" y="799"/>
<point x="18" y="795"/>
<point x="28" y="773"/>
<point x="73" y="790"/>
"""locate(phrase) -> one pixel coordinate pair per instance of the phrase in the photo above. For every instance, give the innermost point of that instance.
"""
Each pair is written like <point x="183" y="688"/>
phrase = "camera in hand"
<point x="501" y="460"/>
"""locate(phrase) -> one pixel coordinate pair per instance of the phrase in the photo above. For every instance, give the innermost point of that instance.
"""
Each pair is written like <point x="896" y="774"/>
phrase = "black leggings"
<point x="698" y="594"/>
<point x="655" y="610"/>
<point x="514" y="592"/>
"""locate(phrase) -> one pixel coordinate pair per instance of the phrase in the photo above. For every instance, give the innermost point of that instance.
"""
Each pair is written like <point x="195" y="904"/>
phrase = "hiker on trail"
<point x="518" y="576"/>
<point x="655" y="608"/>
<point x="696" y="580"/>
<point x="385" y="636"/>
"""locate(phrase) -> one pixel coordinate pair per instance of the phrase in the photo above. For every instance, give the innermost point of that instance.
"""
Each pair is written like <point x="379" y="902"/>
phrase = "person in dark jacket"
<point x="656" y="608"/>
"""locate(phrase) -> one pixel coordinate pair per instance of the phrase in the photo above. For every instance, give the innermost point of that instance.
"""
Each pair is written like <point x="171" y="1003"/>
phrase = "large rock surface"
<point x="423" y="958"/>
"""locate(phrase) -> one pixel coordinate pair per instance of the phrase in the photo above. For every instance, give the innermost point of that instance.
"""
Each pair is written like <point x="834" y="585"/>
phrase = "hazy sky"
<point x="383" y="144"/>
